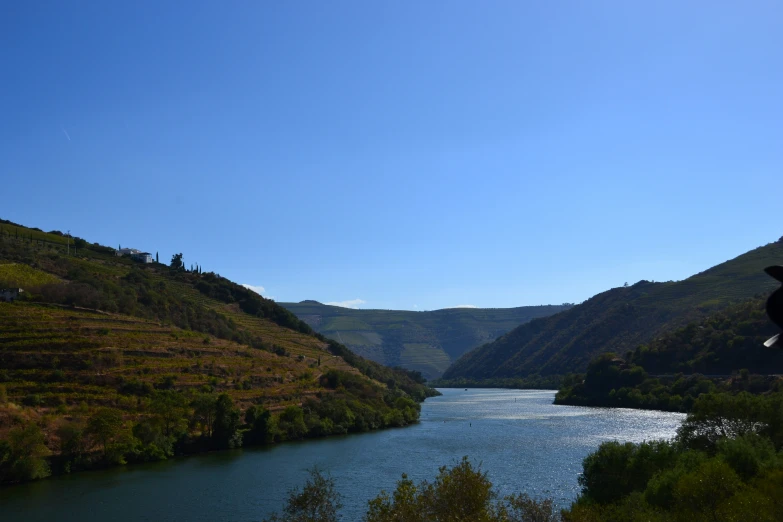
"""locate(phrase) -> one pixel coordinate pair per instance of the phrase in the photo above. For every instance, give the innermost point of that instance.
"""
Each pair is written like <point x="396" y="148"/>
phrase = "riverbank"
<point x="526" y="443"/>
<point x="175" y="423"/>
<point x="613" y="383"/>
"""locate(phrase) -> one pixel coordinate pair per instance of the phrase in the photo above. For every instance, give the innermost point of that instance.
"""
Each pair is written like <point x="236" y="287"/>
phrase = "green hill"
<point x="426" y="342"/>
<point x="99" y="342"/>
<point x="723" y="352"/>
<point x="618" y="320"/>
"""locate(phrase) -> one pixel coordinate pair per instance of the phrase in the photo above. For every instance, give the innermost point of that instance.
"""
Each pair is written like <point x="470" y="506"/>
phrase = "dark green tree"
<point x="318" y="501"/>
<point x="176" y="262"/>
<point x="291" y="422"/>
<point x="105" y="426"/>
<point x="73" y="444"/>
<point x="262" y="425"/>
<point x="171" y="407"/>
<point x="225" y="429"/>
<point x="23" y="456"/>
<point x="204" y="411"/>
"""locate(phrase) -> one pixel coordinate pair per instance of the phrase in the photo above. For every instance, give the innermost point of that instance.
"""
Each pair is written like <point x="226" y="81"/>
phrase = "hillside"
<point x="427" y="342"/>
<point x="618" y="320"/>
<point x="723" y="352"/>
<point x="160" y="351"/>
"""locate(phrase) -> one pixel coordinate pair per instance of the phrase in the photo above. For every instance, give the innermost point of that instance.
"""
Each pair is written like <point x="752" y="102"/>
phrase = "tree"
<point x="318" y="501"/>
<point x="171" y="407"/>
<point x="105" y="425"/>
<point x="204" y="411"/>
<point x="706" y="490"/>
<point x="78" y="243"/>
<point x="617" y="469"/>
<point x="157" y="259"/>
<point x="23" y="457"/>
<point x="73" y="445"/>
<point x="225" y="429"/>
<point x="176" y="262"/>
<point x="459" y="493"/>
<point x="156" y="445"/>
<point x="262" y="426"/>
<point x="718" y="415"/>
<point x="291" y="422"/>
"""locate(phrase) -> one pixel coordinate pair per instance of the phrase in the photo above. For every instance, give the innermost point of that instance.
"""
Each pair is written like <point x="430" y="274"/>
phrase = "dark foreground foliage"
<point x="460" y="493"/>
<point x="724" y="465"/>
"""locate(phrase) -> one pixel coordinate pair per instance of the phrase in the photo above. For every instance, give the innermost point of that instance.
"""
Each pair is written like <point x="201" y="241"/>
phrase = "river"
<point x="526" y="443"/>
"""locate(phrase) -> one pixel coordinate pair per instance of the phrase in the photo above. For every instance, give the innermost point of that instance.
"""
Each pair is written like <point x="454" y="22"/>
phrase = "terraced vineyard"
<point x="427" y="342"/>
<point x="57" y="357"/>
<point x="169" y="360"/>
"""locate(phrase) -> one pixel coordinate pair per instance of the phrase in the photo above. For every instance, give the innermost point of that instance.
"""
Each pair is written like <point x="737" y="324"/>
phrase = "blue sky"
<point x="412" y="155"/>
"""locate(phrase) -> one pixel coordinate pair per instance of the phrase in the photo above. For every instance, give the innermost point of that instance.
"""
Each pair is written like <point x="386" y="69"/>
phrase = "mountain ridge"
<point x="618" y="320"/>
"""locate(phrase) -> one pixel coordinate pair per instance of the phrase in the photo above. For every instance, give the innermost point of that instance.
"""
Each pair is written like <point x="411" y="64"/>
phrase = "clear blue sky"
<point x="412" y="155"/>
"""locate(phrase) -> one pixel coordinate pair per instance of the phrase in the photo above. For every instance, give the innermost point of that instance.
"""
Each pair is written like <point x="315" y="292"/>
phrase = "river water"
<point x="526" y="443"/>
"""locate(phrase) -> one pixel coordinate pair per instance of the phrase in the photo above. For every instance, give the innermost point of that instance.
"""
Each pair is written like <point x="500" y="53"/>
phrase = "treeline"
<point x="168" y="422"/>
<point x="531" y="382"/>
<point x="724" y="465"/>
<point x="612" y="382"/>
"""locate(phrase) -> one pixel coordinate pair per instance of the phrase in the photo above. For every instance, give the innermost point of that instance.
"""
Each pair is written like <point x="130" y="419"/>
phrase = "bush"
<point x="318" y="501"/>
<point x="23" y="457"/>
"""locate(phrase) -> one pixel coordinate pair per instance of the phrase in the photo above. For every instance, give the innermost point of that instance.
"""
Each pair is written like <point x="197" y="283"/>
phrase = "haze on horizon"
<point x="400" y="155"/>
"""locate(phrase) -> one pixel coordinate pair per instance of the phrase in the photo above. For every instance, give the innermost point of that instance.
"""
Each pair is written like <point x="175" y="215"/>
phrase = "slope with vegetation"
<point x="422" y="341"/>
<point x="105" y="360"/>
<point x="722" y="352"/>
<point x="618" y="320"/>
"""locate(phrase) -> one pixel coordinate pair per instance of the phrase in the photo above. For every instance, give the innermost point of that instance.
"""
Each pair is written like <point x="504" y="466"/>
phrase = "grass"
<point x="24" y="276"/>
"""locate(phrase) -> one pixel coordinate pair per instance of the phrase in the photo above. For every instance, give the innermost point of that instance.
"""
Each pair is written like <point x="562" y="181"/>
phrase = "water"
<point x="525" y="442"/>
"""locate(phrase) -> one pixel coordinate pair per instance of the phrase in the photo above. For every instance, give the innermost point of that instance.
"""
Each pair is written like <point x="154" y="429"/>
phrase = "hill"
<point x="723" y="352"/>
<point x="104" y="360"/>
<point x="427" y="342"/>
<point x="618" y="320"/>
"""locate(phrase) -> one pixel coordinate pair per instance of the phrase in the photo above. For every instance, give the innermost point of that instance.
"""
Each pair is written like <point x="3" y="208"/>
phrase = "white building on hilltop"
<point x="138" y="255"/>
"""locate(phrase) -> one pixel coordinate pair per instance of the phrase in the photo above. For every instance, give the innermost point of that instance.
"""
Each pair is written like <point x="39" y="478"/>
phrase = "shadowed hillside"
<point x="618" y="320"/>
<point x="422" y="341"/>
<point x="723" y="352"/>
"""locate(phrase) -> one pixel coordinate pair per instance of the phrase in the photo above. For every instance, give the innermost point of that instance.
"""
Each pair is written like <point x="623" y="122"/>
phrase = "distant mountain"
<point x="618" y="320"/>
<point x="423" y="341"/>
